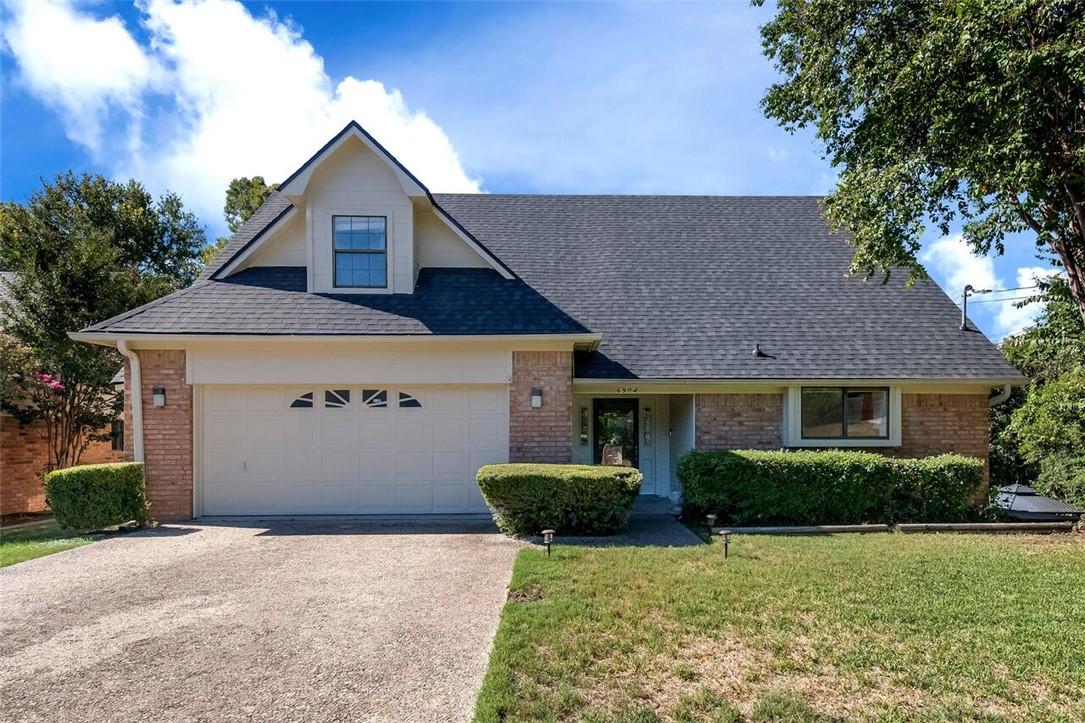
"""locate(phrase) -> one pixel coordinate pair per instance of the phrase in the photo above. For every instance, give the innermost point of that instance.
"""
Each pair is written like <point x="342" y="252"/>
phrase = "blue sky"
<point x="497" y="97"/>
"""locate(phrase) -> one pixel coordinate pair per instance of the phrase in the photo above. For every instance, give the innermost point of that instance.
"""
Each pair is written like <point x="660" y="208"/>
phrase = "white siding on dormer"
<point x="285" y="248"/>
<point x="438" y="247"/>
<point x="355" y="182"/>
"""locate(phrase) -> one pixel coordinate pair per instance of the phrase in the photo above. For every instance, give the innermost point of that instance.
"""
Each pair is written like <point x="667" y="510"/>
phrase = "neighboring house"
<point x="25" y="457"/>
<point x="362" y="345"/>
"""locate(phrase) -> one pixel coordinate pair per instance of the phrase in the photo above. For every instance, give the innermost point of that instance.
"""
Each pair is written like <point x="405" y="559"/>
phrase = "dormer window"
<point x="361" y="251"/>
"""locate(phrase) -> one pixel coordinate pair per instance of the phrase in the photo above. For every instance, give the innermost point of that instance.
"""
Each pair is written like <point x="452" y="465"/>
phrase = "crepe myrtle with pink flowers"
<point x="32" y="395"/>
<point x="81" y="249"/>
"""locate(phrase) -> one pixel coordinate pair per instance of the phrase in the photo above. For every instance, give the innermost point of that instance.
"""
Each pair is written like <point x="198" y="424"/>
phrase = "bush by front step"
<point x="571" y="499"/>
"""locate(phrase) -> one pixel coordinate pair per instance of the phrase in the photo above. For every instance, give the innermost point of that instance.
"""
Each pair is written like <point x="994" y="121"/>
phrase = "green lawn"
<point x="26" y="543"/>
<point x="851" y="627"/>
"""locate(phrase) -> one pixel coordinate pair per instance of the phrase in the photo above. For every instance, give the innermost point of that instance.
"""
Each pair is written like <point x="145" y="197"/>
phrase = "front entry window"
<point x="616" y="432"/>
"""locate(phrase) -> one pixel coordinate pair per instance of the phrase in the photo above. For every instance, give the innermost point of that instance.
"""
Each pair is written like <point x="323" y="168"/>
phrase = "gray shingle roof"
<point x="685" y="286"/>
<point x="681" y="287"/>
<point x="273" y="300"/>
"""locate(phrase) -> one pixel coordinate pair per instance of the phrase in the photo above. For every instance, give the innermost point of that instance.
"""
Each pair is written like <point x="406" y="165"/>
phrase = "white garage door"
<point x="347" y="449"/>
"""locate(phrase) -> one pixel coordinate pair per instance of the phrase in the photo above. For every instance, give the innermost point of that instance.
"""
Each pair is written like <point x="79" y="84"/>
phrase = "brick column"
<point x="167" y="433"/>
<point x="544" y="434"/>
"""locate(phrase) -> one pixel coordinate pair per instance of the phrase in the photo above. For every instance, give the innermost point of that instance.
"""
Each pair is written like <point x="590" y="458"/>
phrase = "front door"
<point x="616" y="422"/>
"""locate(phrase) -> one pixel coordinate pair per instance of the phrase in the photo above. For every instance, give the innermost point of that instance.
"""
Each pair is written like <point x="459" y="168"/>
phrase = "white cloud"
<point x="953" y="263"/>
<point x="777" y="154"/>
<point x="79" y="65"/>
<point x="959" y="266"/>
<point x="212" y="94"/>
<point x="1011" y="318"/>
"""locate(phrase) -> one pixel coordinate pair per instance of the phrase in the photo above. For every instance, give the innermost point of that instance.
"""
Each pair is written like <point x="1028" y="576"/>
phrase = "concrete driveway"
<point x="280" y="621"/>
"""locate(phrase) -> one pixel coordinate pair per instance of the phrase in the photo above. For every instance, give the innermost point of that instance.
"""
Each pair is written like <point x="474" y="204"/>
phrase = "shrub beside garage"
<point x="567" y="498"/>
<point x="828" y="487"/>
<point x="97" y="496"/>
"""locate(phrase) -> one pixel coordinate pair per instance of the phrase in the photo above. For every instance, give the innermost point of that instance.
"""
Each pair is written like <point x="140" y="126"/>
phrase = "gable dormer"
<point x="361" y="223"/>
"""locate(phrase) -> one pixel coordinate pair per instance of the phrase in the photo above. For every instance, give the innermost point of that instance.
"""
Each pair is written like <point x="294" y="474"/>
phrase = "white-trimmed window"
<point x="360" y="246"/>
<point x="842" y="416"/>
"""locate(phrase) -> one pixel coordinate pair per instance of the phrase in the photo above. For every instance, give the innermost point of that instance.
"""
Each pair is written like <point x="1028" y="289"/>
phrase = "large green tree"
<point x="943" y="111"/>
<point x="82" y="249"/>
<point x="243" y="197"/>
<point x="1045" y="429"/>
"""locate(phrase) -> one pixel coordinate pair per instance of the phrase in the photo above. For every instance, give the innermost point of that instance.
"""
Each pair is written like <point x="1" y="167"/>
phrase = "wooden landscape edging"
<point x="906" y="528"/>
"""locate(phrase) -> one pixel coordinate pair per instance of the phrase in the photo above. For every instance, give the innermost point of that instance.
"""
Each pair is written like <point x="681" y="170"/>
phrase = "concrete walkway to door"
<point x="325" y="620"/>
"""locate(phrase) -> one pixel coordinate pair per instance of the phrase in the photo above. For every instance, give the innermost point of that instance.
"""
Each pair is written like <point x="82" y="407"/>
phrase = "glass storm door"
<point x="616" y="423"/>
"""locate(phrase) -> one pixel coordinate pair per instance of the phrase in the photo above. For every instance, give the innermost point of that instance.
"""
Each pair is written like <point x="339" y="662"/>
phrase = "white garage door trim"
<point x="345" y="449"/>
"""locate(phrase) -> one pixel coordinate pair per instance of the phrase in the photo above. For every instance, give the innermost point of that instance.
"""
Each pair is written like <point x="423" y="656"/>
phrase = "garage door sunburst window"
<point x="303" y="401"/>
<point x="406" y="401"/>
<point x="375" y="398"/>
<point x="336" y="398"/>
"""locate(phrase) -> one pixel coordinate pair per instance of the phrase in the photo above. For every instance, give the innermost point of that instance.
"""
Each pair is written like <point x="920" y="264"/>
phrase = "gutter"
<point x="107" y="338"/>
<point x="135" y="381"/>
<point x="1000" y="397"/>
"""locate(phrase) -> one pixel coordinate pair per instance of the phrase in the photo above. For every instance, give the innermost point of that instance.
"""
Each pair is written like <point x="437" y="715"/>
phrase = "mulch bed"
<point x="21" y="518"/>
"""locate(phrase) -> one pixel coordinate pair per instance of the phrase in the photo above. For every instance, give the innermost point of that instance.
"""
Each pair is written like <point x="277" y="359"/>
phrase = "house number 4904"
<point x="627" y="390"/>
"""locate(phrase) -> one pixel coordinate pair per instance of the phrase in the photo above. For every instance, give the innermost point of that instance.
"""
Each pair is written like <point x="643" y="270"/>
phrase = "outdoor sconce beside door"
<point x="536" y="398"/>
<point x="158" y="396"/>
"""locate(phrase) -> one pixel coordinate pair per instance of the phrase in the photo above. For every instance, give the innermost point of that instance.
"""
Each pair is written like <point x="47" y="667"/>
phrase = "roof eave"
<point x="994" y="381"/>
<point x="580" y="341"/>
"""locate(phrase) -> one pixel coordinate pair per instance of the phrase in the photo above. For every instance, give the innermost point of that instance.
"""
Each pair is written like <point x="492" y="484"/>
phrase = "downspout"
<point x="136" y="385"/>
<point x="1000" y="397"/>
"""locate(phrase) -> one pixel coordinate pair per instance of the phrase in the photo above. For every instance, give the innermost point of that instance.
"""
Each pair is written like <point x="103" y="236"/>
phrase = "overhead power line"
<point x="1013" y="288"/>
<point x="1004" y="298"/>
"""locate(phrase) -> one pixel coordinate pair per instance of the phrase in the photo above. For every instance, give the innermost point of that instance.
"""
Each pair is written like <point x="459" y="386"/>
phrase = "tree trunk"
<point x="1075" y="270"/>
<point x="1071" y="250"/>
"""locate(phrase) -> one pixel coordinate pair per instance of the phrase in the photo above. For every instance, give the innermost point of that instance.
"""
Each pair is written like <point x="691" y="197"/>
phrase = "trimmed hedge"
<point x="567" y="498"/>
<point x="95" y="496"/>
<point x="828" y="487"/>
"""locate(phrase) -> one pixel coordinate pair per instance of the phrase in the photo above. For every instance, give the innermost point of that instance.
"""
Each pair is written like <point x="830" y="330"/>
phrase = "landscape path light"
<point x="725" y="535"/>
<point x="548" y="539"/>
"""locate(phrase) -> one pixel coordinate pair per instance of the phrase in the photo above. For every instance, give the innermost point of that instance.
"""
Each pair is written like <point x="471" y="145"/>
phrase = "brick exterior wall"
<point x="930" y="424"/>
<point x="24" y="459"/>
<point x="941" y="423"/>
<point x="167" y="433"/>
<point x="739" y="421"/>
<point x="544" y="434"/>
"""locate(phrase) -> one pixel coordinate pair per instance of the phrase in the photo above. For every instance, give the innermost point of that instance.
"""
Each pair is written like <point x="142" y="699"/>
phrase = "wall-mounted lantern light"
<point x="158" y="396"/>
<point x="536" y="398"/>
